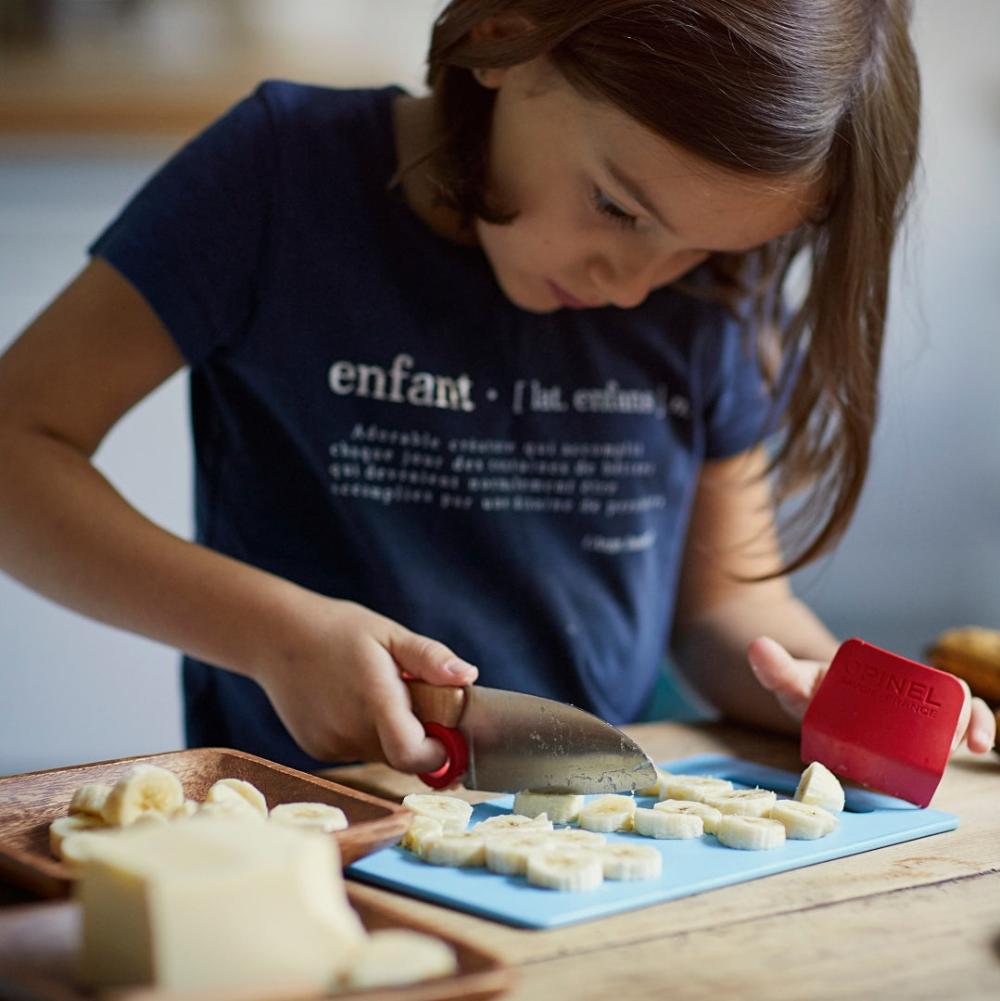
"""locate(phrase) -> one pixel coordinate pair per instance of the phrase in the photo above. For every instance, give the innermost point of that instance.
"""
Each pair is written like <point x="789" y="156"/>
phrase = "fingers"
<point x="791" y="681"/>
<point x="982" y="731"/>
<point x="962" y="727"/>
<point x="429" y="660"/>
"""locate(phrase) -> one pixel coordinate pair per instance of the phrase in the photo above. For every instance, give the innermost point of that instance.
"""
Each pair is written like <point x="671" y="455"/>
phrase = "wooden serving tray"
<point x="38" y="946"/>
<point x="30" y="802"/>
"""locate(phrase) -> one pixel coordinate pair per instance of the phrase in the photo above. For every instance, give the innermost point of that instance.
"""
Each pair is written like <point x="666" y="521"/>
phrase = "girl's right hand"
<point x="339" y="692"/>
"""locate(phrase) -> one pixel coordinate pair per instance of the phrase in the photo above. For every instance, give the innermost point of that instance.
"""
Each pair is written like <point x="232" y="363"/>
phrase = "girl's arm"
<point x="753" y="649"/>
<point x="330" y="667"/>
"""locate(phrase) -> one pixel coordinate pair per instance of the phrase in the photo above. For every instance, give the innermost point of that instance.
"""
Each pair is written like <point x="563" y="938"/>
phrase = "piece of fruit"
<point x="657" y="788"/>
<point x="64" y="827"/>
<point x="803" y="821"/>
<point x="452" y="813"/>
<point x="318" y="816"/>
<point x="89" y="799"/>
<point x="664" y="824"/>
<point x="607" y="813"/>
<point x="627" y="860"/>
<point x="187" y="809"/>
<point x="582" y="839"/>
<point x="234" y="809"/>
<point x="463" y="849"/>
<point x="565" y="867"/>
<point x="509" y="855"/>
<point x="818" y="786"/>
<point x="750" y="833"/>
<point x="228" y="790"/>
<point x="142" y="789"/>
<point x="693" y="787"/>
<point x="561" y="808"/>
<point x="420" y="828"/>
<point x="392" y="957"/>
<point x="710" y="816"/>
<point x="745" y="802"/>
<point x="505" y="823"/>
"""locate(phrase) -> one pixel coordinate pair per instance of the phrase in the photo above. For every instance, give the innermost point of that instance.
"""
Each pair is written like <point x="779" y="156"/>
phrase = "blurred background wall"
<point x="94" y="94"/>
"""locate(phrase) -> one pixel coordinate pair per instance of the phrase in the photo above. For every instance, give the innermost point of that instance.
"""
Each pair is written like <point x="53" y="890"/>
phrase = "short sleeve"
<point x="191" y="239"/>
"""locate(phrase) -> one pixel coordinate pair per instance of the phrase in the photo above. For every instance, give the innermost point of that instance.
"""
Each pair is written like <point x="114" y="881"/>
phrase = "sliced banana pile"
<point x="148" y="794"/>
<point x="526" y="842"/>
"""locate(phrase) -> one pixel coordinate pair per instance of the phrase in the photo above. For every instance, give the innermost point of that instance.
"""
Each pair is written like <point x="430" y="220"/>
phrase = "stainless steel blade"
<point x="519" y="741"/>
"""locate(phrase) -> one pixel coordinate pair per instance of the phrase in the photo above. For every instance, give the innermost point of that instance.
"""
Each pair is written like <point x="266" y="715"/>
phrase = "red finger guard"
<point x="457" y="761"/>
<point x="884" y="721"/>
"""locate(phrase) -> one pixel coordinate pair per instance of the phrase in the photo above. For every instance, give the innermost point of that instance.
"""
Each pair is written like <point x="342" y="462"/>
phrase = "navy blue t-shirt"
<point x="375" y="421"/>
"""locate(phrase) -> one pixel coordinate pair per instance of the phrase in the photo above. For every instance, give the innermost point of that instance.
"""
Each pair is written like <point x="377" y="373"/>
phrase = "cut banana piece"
<point x="77" y="848"/>
<point x="392" y="957"/>
<point x="744" y="802"/>
<point x="607" y="813"/>
<point x="142" y="789"/>
<point x="506" y="823"/>
<point x="228" y="790"/>
<point x="234" y="809"/>
<point x="625" y="861"/>
<point x="750" y="833"/>
<point x="818" y="786"/>
<point x="89" y="799"/>
<point x="803" y="821"/>
<point x="693" y="787"/>
<point x="710" y="817"/>
<point x="663" y="824"/>
<point x="565" y="867"/>
<point x="561" y="808"/>
<point x="452" y="813"/>
<point x="420" y="828"/>
<point x="509" y="855"/>
<point x="463" y="849"/>
<point x="581" y="839"/>
<point x="64" y="827"/>
<point x="187" y="809"/>
<point x="657" y="789"/>
<point x="318" y="816"/>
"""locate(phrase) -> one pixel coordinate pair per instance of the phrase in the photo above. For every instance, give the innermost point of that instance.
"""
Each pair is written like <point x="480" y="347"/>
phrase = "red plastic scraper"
<point x="883" y="721"/>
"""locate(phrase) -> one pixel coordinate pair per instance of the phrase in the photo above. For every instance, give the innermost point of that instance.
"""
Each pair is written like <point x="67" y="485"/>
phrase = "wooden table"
<point x="919" y="920"/>
<point x="915" y="920"/>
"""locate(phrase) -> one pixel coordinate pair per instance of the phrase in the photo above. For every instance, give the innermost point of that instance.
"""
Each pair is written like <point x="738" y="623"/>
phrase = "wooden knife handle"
<point x="436" y="703"/>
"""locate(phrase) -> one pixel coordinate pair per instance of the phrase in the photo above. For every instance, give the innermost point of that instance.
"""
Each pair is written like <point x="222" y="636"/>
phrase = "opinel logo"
<point x="899" y="685"/>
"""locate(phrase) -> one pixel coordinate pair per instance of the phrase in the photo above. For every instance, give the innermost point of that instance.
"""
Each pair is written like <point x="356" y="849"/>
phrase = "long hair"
<point x="817" y="88"/>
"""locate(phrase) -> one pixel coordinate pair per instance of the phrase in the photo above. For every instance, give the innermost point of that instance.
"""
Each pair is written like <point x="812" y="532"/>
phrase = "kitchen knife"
<point x="508" y="741"/>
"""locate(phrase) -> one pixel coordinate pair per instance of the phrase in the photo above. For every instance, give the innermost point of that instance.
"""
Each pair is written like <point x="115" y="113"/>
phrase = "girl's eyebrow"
<point x="634" y="190"/>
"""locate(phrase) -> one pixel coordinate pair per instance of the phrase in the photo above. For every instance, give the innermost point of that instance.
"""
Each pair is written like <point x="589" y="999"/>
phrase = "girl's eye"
<point x="607" y="207"/>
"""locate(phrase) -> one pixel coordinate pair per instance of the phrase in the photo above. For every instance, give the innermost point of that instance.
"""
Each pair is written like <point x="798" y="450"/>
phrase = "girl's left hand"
<point x="793" y="682"/>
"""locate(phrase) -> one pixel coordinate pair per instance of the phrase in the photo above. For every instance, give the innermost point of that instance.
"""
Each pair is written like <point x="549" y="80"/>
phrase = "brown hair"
<point x="772" y="87"/>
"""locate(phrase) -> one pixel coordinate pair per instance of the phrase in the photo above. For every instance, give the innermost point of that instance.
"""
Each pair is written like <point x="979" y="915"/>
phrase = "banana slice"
<point x="750" y="833"/>
<point x="607" y="813"/>
<point x="693" y="787"/>
<point x="663" y="824"/>
<point x="561" y="808"/>
<point x="624" y="860"/>
<point x="452" y="812"/>
<point x="803" y="821"/>
<point x="710" y="817"/>
<point x="142" y="789"/>
<point x="818" y="786"/>
<point x="509" y="855"/>
<point x="506" y="823"/>
<point x="89" y="799"/>
<point x="464" y="849"/>
<point x="581" y="839"/>
<point x="64" y="827"/>
<point x="745" y="802"/>
<point x="77" y="848"/>
<point x="655" y="790"/>
<point x="392" y="957"/>
<point x="187" y="809"/>
<point x="231" y="790"/>
<point x="420" y="828"/>
<point x="318" y="816"/>
<point x="565" y="867"/>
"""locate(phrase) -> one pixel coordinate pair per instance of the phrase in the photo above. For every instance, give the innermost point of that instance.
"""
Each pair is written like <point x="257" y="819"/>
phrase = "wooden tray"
<point x="30" y="802"/>
<point x="38" y="944"/>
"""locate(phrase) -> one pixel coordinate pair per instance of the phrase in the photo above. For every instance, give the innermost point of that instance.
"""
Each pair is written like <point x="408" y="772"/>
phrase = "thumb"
<point x="792" y="682"/>
<point x="429" y="660"/>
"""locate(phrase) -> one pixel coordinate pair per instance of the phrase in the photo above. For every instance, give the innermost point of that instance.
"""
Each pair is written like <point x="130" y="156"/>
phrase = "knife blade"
<point x="516" y="741"/>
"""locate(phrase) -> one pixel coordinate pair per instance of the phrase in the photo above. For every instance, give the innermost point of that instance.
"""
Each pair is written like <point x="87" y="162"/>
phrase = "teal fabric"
<point x="673" y="699"/>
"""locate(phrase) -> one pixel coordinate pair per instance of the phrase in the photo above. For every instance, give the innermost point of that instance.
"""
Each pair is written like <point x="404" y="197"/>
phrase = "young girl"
<point x="491" y="377"/>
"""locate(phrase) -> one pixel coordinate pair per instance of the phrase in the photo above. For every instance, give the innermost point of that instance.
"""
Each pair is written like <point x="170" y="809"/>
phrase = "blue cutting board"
<point x="870" y="820"/>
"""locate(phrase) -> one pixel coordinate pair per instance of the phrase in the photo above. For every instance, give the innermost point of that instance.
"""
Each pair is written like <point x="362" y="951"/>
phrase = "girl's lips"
<point x="565" y="298"/>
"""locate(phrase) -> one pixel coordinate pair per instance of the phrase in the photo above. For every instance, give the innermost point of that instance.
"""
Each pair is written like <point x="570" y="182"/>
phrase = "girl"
<point x="495" y="376"/>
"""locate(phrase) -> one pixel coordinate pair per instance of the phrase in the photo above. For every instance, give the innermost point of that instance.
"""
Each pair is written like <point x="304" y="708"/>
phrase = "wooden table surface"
<point x="915" y="920"/>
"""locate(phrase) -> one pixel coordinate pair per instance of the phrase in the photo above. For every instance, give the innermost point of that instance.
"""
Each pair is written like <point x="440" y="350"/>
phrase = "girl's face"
<point x="607" y="211"/>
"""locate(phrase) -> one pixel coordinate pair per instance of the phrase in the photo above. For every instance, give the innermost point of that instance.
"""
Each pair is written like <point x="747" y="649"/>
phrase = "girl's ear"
<point x="498" y="28"/>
